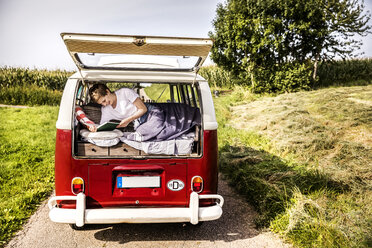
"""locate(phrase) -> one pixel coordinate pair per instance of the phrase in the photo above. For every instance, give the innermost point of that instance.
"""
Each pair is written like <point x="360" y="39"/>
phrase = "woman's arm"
<point x="141" y="110"/>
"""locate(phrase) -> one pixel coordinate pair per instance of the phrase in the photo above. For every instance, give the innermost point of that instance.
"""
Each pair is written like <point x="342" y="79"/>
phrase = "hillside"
<point x="303" y="160"/>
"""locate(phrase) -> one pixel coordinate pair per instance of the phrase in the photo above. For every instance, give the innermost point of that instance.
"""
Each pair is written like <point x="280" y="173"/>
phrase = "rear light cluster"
<point x="77" y="185"/>
<point x="197" y="184"/>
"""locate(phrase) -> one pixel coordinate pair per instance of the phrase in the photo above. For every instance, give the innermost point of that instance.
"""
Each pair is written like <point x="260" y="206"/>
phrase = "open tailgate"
<point x="87" y="51"/>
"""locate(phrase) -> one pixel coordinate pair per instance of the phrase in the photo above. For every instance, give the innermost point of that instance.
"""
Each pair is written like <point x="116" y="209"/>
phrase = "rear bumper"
<point x="81" y="215"/>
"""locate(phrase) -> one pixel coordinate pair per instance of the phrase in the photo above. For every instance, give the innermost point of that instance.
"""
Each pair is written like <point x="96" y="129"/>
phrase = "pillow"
<point x="104" y="139"/>
<point x="104" y="143"/>
<point x="104" y="135"/>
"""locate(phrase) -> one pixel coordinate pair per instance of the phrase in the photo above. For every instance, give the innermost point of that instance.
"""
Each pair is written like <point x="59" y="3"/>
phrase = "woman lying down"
<point x="151" y="122"/>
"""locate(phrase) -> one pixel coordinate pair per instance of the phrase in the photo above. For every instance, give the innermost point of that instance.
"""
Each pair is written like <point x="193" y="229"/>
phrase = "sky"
<point x="30" y="29"/>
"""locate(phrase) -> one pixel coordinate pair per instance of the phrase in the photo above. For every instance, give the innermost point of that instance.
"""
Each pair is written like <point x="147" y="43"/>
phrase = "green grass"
<point x="27" y="139"/>
<point x="303" y="161"/>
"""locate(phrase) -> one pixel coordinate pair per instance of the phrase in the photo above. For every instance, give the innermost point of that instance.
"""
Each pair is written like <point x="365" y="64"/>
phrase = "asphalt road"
<point x="234" y="229"/>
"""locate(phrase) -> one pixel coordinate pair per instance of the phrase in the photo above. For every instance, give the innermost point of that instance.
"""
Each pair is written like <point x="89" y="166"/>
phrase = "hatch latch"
<point x="139" y="41"/>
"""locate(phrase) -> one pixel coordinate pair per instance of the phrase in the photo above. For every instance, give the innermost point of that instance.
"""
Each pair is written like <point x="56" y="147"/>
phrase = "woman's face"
<point x="108" y="99"/>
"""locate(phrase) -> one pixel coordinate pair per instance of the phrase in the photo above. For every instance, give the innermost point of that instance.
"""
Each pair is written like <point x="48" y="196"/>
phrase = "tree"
<point x="270" y="41"/>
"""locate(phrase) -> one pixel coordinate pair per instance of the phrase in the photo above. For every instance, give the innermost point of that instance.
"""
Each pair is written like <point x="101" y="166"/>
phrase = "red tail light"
<point x="197" y="184"/>
<point x="77" y="185"/>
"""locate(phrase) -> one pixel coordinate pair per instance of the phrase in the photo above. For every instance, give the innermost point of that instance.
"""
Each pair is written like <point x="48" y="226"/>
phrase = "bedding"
<point x="166" y="122"/>
<point x="167" y="130"/>
<point x="179" y="146"/>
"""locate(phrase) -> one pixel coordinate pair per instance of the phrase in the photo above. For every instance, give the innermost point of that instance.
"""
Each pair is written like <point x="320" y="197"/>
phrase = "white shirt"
<point x="124" y="106"/>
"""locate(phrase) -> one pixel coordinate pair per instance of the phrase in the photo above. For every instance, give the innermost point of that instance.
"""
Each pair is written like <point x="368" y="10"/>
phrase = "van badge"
<point x="175" y="185"/>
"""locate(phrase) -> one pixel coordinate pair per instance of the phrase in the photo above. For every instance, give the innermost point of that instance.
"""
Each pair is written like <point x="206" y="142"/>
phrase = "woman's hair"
<point x="97" y="91"/>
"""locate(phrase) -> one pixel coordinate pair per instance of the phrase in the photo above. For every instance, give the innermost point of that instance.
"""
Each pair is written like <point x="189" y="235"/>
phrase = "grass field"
<point x="27" y="139"/>
<point x="303" y="160"/>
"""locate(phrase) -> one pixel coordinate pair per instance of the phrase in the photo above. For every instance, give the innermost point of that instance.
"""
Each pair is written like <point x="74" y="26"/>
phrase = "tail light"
<point x="197" y="184"/>
<point x="77" y="185"/>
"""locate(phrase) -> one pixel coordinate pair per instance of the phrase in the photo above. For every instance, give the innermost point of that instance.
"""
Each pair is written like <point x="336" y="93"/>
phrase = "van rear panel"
<point x="114" y="182"/>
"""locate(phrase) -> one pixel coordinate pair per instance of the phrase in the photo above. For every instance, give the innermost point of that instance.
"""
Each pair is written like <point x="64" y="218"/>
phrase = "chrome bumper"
<point x="81" y="215"/>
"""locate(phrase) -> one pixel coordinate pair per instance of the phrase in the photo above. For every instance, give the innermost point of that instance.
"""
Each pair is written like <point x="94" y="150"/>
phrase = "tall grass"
<point x="27" y="139"/>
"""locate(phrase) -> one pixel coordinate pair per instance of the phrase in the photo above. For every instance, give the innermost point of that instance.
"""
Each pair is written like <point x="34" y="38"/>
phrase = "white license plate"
<point x="138" y="182"/>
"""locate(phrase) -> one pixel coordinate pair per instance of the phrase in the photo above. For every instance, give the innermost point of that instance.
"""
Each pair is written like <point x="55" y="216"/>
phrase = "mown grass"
<point x="27" y="139"/>
<point x="303" y="161"/>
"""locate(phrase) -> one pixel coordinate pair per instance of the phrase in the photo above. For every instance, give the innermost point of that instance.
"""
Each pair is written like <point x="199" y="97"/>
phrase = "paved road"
<point x="234" y="229"/>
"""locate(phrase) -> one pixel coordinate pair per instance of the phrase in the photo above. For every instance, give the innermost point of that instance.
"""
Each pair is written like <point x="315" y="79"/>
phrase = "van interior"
<point x="163" y="95"/>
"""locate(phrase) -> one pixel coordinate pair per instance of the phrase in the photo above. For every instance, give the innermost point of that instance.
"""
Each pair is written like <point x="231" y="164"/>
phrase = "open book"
<point x="108" y="126"/>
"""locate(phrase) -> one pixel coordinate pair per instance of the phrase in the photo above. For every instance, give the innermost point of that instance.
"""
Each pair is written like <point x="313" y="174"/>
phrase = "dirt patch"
<point x="12" y="106"/>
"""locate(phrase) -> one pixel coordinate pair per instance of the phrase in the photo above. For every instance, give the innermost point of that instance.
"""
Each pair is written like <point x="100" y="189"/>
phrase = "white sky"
<point x="30" y="29"/>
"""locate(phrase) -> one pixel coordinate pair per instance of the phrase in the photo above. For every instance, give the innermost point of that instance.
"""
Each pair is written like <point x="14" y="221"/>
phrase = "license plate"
<point x="139" y="182"/>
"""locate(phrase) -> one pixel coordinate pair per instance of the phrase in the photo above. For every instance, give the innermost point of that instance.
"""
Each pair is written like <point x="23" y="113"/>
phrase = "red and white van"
<point x="122" y="183"/>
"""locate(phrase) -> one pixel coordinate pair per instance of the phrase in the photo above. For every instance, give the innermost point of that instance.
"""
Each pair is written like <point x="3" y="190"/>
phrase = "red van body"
<point x="158" y="187"/>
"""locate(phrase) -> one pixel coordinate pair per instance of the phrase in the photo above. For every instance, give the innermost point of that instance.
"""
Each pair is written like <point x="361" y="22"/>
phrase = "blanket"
<point x="166" y="122"/>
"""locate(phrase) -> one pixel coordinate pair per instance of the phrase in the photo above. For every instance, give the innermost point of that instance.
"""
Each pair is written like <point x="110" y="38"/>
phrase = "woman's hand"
<point x="124" y="123"/>
<point x="92" y="128"/>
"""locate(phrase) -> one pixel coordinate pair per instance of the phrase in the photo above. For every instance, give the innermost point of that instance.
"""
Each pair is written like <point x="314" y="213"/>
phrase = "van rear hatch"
<point x="137" y="184"/>
<point x="121" y="52"/>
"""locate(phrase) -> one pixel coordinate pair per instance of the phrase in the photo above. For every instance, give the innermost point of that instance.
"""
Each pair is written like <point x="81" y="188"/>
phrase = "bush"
<point x="288" y="77"/>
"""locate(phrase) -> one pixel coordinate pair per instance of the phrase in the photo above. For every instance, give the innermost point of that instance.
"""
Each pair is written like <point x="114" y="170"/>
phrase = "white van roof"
<point x="88" y="49"/>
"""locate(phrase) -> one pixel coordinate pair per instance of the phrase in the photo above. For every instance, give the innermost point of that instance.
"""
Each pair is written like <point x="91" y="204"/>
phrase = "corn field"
<point x="330" y="73"/>
<point x="38" y="87"/>
<point x="345" y="71"/>
<point x="52" y="80"/>
<point x="22" y="86"/>
<point x="217" y="77"/>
